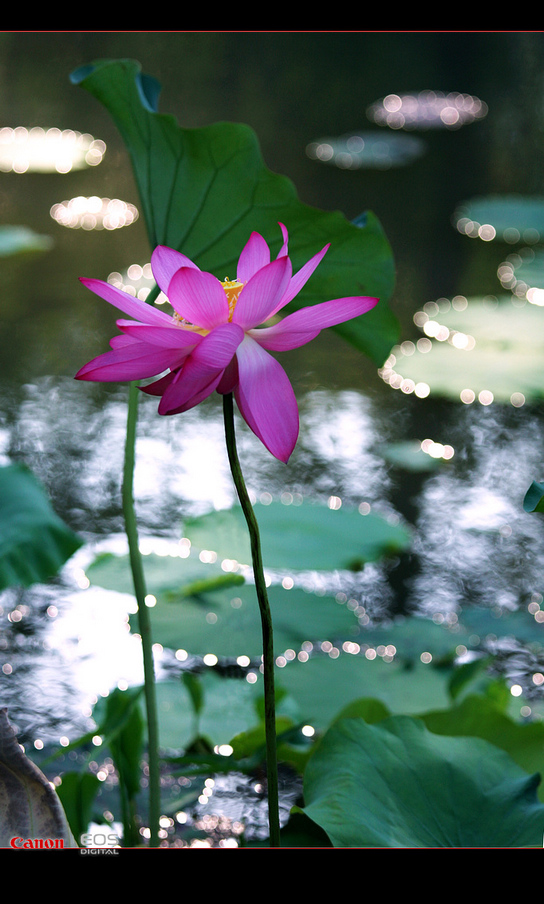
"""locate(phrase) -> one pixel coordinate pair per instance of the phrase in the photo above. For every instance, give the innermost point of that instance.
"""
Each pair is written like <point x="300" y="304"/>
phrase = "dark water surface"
<point x="473" y="541"/>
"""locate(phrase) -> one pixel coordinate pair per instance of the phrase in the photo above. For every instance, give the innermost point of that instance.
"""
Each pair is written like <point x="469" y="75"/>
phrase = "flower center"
<point x="232" y="289"/>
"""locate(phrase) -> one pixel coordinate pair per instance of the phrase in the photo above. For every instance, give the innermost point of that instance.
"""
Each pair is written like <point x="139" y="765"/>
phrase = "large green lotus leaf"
<point x="505" y="359"/>
<point x="397" y="785"/>
<point x="203" y="191"/>
<point x="34" y="542"/>
<point x="302" y="537"/>
<point x="513" y="217"/>
<point x="477" y="716"/>
<point x="196" y="612"/>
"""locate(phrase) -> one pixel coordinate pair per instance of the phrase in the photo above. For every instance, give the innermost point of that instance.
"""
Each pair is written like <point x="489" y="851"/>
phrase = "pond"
<point x="65" y="644"/>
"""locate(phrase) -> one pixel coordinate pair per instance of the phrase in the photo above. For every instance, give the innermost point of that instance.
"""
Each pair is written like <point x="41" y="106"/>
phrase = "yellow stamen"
<point x="232" y="289"/>
<point x="187" y="325"/>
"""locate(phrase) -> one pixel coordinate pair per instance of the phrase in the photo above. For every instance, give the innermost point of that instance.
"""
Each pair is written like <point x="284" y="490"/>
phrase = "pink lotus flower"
<point x="214" y="342"/>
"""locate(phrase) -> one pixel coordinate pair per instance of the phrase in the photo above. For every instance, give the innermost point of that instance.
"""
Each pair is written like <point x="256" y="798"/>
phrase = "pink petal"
<point x="262" y="293"/>
<point x="284" y="248"/>
<point x="300" y="278"/>
<point x="134" y="361"/>
<point x="125" y="302"/>
<point x="229" y="380"/>
<point x="166" y="336"/>
<point x="202" y="370"/>
<point x="266" y="399"/>
<point x="302" y="326"/>
<point x="164" y="263"/>
<point x="120" y="340"/>
<point x="158" y="387"/>
<point x="256" y="254"/>
<point x="198" y="297"/>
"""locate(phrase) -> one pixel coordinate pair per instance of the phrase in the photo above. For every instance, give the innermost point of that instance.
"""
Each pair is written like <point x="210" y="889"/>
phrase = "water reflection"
<point x="473" y="541"/>
<point x="475" y="544"/>
<point x="75" y="446"/>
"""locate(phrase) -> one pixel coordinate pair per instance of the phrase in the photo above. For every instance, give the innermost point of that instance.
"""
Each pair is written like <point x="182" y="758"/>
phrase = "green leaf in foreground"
<point x="397" y="785"/>
<point x="34" y="542"/>
<point x="478" y="716"/>
<point x="203" y="191"/>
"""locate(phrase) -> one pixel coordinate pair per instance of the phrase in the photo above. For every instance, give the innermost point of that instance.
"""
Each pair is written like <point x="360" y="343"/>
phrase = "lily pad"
<point x="367" y="150"/>
<point x="229" y="707"/>
<point x="496" y="622"/>
<point x="410" y="456"/>
<point x="302" y="537"/>
<point x="523" y="274"/>
<point x="491" y="350"/>
<point x="397" y="785"/>
<point x="224" y="621"/>
<point x="34" y="542"/>
<point x="323" y="686"/>
<point x="508" y="218"/>
<point x="20" y="240"/>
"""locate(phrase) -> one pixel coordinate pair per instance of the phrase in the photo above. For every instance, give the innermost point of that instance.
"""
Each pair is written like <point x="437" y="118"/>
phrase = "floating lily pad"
<point x="367" y="150"/>
<point x="491" y="350"/>
<point x="194" y="610"/>
<point x="481" y="622"/>
<point x="410" y="456"/>
<point x="523" y="274"/>
<point x="230" y="707"/>
<point x="300" y="537"/>
<point x="509" y="218"/>
<point x="21" y="239"/>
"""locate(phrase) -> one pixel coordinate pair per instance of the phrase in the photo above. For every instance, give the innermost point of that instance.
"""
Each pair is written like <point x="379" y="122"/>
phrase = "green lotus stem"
<point x="266" y="622"/>
<point x="144" y="621"/>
